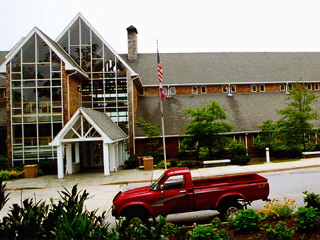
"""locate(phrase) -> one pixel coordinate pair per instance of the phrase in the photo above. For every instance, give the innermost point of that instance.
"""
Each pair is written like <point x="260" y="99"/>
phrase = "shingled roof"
<point x="229" y="67"/>
<point x="245" y="111"/>
<point x="104" y="122"/>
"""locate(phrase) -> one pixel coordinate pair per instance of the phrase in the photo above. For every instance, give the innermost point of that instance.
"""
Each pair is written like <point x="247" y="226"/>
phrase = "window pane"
<point x="64" y="42"/>
<point x="16" y="98"/>
<point x="97" y="65"/>
<point x="85" y="34"/>
<point x="28" y="51"/>
<point x="96" y="47"/>
<point x="43" y="94"/>
<point x="44" y="129"/>
<point x="17" y="131"/>
<point x="15" y="76"/>
<point x="16" y="83"/>
<point x="56" y="95"/>
<point x="121" y="69"/>
<point x="74" y="34"/>
<point x="30" y="130"/>
<point x="44" y="83"/>
<point x="29" y="83"/>
<point x="43" y="71"/>
<point x="29" y="71"/>
<point x="43" y="51"/>
<point x="56" y="62"/>
<point x="16" y="63"/>
<point x="29" y="95"/>
<point x="56" y="128"/>
<point x="75" y="53"/>
<point x="56" y="75"/>
<point x="86" y="58"/>
<point x="46" y="118"/>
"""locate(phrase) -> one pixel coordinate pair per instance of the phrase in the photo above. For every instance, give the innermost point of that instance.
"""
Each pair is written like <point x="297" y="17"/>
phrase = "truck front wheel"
<point x="136" y="212"/>
<point x="229" y="210"/>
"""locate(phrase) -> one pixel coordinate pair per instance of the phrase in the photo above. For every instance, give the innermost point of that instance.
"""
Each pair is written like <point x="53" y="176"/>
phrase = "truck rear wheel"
<point x="229" y="210"/>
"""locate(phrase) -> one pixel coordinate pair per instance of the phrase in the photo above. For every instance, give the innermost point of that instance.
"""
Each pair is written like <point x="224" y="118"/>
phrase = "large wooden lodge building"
<point x="75" y="99"/>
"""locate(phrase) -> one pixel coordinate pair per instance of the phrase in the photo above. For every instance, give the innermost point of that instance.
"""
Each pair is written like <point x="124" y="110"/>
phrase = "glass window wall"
<point x="36" y="101"/>
<point x="106" y="90"/>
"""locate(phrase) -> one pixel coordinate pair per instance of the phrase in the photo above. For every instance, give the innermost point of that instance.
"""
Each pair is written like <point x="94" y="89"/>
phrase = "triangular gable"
<point x="70" y="64"/>
<point x="106" y="124"/>
<point x="79" y="15"/>
<point x="82" y="127"/>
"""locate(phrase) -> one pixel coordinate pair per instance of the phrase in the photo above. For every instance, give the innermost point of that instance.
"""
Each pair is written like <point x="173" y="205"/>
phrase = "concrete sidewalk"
<point x="102" y="188"/>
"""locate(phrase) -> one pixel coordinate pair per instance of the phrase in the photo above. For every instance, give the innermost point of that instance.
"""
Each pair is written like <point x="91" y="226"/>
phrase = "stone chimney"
<point x="132" y="44"/>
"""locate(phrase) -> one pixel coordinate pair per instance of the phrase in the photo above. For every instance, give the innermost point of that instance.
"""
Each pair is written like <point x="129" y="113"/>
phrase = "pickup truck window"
<point x="174" y="182"/>
<point x="155" y="185"/>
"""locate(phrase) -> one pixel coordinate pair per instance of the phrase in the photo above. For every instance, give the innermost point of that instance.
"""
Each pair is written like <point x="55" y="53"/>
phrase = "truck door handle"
<point x="183" y="191"/>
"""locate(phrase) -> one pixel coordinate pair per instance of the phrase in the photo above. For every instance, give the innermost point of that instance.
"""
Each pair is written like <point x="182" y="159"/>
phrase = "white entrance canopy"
<point x="84" y="126"/>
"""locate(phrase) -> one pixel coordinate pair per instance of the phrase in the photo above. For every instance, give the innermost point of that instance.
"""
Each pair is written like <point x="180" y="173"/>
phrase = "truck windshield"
<point x="155" y="185"/>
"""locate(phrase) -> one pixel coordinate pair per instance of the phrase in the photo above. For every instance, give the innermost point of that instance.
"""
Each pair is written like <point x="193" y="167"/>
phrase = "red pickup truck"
<point x="176" y="192"/>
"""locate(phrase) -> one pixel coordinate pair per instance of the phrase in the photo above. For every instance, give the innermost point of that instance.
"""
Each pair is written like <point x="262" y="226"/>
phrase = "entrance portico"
<point x="89" y="139"/>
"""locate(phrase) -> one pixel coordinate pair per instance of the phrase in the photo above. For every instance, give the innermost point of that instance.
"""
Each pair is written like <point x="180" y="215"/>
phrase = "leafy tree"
<point x="151" y="131"/>
<point x="204" y="130"/>
<point x="294" y="127"/>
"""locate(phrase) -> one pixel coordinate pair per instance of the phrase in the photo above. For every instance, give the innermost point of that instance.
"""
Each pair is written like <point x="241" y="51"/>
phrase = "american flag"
<point x="159" y="70"/>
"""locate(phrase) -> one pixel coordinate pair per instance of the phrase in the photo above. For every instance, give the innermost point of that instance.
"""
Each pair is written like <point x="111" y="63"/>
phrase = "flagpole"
<point x="163" y="137"/>
<point x="162" y="118"/>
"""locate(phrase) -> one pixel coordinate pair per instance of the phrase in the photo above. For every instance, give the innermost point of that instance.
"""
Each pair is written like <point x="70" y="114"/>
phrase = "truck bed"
<point x="229" y="180"/>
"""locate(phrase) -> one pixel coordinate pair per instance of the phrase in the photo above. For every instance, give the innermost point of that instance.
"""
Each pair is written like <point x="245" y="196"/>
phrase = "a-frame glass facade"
<point x="106" y="88"/>
<point x="36" y="100"/>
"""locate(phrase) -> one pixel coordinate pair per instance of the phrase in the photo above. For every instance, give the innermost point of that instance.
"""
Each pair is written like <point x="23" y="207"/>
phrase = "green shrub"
<point x="67" y="219"/>
<point x="132" y="161"/>
<point x="173" y="162"/>
<point x="136" y="229"/>
<point x="307" y="218"/>
<point x="239" y="154"/>
<point x="280" y="232"/>
<point x="204" y="232"/>
<point x="11" y="174"/>
<point x="240" y="160"/>
<point x="247" y="220"/>
<point x="312" y="200"/>
<point x="4" y="175"/>
<point x="4" y="163"/>
<point x="188" y="163"/>
<point x="48" y="166"/>
<point x="4" y="197"/>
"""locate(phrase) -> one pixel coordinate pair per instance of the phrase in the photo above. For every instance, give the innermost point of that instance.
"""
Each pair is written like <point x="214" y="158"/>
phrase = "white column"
<point x="106" y="159"/>
<point x="77" y="152"/>
<point x="112" y="157"/>
<point x="116" y="156"/>
<point x="60" y="161"/>
<point x="69" y="158"/>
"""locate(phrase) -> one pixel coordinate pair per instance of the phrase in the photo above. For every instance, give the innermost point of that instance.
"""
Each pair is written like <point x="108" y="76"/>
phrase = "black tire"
<point x="136" y="212"/>
<point x="229" y="210"/>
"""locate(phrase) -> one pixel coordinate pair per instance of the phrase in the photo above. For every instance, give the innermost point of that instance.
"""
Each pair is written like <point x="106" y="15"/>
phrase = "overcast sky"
<point x="179" y="25"/>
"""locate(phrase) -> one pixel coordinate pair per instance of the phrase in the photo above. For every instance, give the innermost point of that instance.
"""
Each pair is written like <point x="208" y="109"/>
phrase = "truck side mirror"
<point x="161" y="187"/>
